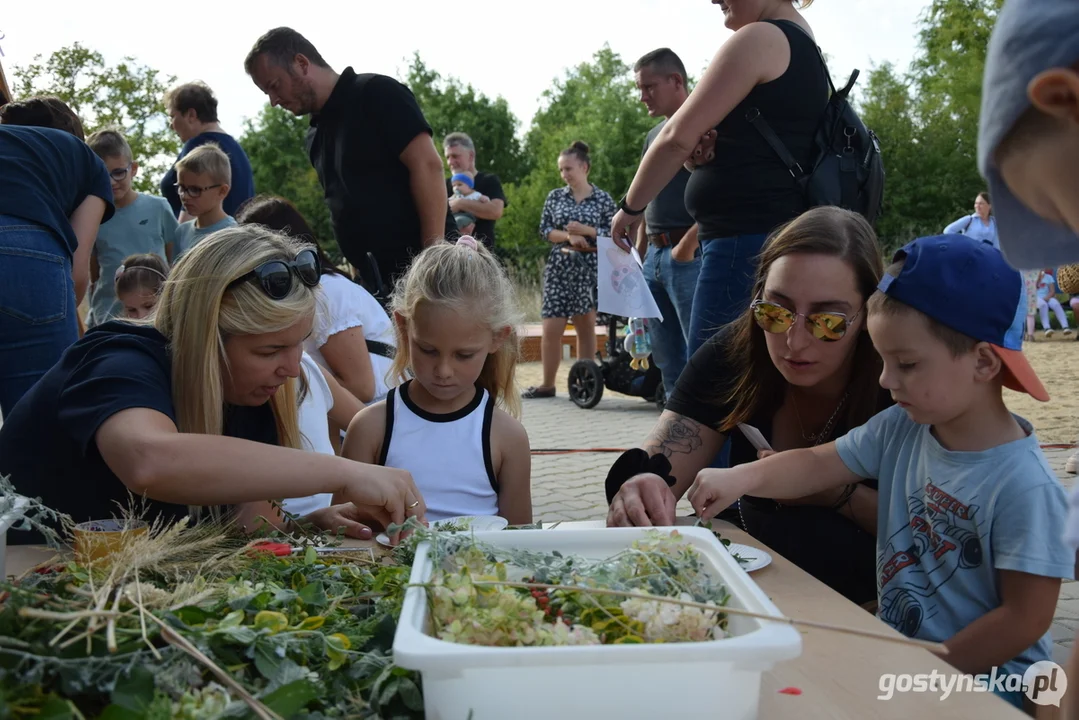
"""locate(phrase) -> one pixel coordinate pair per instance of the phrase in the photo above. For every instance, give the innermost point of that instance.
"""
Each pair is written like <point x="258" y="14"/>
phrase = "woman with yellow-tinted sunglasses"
<point x="799" y="366"/>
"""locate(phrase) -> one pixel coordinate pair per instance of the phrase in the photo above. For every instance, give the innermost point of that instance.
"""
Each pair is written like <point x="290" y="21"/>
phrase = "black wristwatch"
<point x="626" y="208"/>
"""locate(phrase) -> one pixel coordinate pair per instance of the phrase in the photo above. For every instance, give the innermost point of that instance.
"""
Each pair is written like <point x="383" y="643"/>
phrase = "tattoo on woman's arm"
<point x="674" y="435"/>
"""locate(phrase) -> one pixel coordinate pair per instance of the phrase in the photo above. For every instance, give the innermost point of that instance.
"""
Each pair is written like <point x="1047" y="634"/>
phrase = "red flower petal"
<point x="791" y="691"/>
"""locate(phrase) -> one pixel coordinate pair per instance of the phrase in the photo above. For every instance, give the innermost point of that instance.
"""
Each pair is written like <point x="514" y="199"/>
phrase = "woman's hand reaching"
<point x="386" y="495"/>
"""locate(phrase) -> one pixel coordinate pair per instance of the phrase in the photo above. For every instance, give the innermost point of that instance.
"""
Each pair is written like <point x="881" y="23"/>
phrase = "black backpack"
<point x="847" y="170"/>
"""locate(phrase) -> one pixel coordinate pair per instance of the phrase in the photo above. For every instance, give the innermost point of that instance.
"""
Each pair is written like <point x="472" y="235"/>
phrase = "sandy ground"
<point x="1056" y="360"/>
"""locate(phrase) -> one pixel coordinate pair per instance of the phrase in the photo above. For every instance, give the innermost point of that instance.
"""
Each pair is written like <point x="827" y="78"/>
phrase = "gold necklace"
<point x="816" y="438"/>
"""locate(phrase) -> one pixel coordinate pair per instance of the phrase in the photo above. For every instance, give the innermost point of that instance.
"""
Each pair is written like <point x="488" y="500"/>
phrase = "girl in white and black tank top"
<point x="455" y="319"/>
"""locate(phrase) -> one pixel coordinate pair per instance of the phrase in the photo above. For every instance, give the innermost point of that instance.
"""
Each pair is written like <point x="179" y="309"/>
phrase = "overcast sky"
<point x="508" y="47"/>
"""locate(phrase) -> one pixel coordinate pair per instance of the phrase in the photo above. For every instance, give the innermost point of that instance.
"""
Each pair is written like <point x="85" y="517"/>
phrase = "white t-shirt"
<point x="344" y="304"/>
<point x="315" y="431"/>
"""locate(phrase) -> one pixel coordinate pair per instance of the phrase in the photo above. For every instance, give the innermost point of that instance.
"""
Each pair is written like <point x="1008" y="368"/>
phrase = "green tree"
<point x="128" y="95"/>
<point x="274" y="143"/>
<point x="449" y="106"/>
<point x="928" y="120"/>
<point x="595" y="102"/>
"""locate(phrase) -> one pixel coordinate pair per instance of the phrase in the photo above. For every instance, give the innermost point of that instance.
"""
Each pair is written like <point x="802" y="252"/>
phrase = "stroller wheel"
<point x="585" y="384"/>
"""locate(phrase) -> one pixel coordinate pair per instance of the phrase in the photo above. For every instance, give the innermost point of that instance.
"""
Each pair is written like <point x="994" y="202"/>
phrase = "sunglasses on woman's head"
<point x="275" y="276"/>
<point x="774" y="318"/>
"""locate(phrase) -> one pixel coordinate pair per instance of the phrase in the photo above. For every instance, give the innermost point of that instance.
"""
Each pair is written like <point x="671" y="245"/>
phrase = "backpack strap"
<point x="753" y="117"/>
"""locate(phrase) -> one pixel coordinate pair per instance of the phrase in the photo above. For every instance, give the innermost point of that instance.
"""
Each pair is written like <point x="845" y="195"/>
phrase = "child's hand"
<point x="714" y="490"/>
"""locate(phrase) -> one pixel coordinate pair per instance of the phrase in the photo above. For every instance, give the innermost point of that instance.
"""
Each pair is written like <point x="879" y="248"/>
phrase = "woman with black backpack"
<point x="771" y="69"/>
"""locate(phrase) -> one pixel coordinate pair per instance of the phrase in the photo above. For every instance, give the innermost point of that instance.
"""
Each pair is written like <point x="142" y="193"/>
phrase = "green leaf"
<point x="270" y="620"/>
<point x="136" y="691"/>
<point x="312" y="623"/>
<point x="410" y="694"/>
<point x="314" y="595"/>
<point x="242" y="635"/>
<point x="192" y="615"/>
<point x="388" y="690"/>
<point x="310" y="555"/>
<point x="115" y="712"/>
<point x="56" y="709"/>
<point x="290" y="699"/>
<point x="232" y="620"/>
<point x="267" y="660"/>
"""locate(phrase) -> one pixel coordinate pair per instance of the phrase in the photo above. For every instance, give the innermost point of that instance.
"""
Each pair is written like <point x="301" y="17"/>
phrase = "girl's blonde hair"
<point x="198" y="312"/>
<point x="466" y="277"/>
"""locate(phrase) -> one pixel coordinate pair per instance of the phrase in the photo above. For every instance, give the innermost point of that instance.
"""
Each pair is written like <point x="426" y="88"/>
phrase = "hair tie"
<point x="119" y="272"/>
<point x="468" y="241"/>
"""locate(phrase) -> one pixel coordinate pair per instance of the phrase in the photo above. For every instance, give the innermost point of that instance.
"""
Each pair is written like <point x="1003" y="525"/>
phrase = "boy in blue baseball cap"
<point x="970" y="514"/>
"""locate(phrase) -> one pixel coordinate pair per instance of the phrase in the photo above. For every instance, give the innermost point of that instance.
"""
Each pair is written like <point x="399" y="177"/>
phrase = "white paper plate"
<point x="755" y="557"/>
<point x="478" y="523"/>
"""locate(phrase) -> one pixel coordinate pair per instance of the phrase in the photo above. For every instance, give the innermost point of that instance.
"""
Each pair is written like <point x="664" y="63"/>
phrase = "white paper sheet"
<point x="622" y="290"/>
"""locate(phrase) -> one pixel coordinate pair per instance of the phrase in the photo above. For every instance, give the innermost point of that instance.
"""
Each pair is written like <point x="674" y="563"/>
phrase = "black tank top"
<point x="746" y="189"/>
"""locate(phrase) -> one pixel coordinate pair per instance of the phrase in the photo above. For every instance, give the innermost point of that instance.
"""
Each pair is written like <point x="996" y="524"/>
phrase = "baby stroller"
<point x="617" y="373"/>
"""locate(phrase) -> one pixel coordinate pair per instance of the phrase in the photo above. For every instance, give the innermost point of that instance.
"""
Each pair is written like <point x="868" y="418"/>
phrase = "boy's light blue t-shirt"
<point x="1044" y="284"/>
<point x="948" y="521"/>
<point x="187" y="236"/>
<point x="145" y="226"/>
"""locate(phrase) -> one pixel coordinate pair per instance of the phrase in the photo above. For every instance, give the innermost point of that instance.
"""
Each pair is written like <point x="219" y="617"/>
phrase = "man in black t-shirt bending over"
<point x="371" y="147"/>
<point x="461" y="157"/>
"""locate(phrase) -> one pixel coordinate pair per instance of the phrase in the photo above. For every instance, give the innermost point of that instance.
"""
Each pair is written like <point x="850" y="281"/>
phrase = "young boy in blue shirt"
<point x="970" y="516"/>
<point x="203" y="178"/>
<point x="143" y="224"/>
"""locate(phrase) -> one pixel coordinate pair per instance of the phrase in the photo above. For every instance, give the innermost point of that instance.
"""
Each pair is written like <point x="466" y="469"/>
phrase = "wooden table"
<point x="838" y="674"/>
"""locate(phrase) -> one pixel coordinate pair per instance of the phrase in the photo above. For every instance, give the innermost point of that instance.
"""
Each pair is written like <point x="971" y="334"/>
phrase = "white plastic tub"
<point x="719" y="678"/>
<point x="7" y="519"/>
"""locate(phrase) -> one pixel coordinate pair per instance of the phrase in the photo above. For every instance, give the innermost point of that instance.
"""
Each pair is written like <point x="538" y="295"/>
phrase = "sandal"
<point x="538" y="392"/>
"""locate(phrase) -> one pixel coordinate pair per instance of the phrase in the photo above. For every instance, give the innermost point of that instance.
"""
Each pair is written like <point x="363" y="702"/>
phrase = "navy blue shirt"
<point x="242" y="186"/>
<point x="46" y="174"/>
<point x="48" y="443"/>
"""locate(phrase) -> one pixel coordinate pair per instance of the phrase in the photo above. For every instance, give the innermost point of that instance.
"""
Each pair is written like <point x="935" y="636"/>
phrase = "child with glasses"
<point x="798" y="366"/>
<point x="143" y="224"/>
<point x="971" y="515"/>
<point x="203" y="177"/>
<point x="455" y="318"/>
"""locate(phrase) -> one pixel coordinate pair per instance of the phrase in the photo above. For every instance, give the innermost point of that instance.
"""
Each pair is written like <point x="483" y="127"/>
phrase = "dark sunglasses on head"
<point x="275" y="276"/>
<point x="826" y="326"/>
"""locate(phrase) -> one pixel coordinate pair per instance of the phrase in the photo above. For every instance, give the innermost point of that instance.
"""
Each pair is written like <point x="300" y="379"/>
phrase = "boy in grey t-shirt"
<point x="970" y="516"/>
<point x="142" y="224"/>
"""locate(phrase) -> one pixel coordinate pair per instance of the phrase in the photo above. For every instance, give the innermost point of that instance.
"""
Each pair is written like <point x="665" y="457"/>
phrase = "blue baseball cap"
<point x="1029" y="37"/>
<point x="968" y="286"/>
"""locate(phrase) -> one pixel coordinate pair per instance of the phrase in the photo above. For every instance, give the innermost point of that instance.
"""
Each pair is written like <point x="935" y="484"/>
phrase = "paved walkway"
<point x="570" y="486"/>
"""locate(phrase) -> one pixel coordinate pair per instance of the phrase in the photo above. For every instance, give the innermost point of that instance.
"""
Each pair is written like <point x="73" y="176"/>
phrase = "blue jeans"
<point x="724" y="285"/>
<point x="723" y="288"/>
<point x="37" y="306"/>
<point x="672" y="284"/>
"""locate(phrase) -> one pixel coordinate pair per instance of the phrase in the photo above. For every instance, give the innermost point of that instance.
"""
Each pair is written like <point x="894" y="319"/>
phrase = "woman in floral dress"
<point x="573" y="217"/>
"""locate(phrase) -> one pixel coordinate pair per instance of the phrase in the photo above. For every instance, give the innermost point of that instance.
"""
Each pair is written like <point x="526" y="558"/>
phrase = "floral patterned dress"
<point x="1030" y="283"/>
<point x="569" y="281"/>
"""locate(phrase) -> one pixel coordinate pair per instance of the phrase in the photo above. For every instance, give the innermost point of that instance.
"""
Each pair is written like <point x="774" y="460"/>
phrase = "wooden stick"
<point x="174" y="638"/>
<point x="77" y="615"/>
<point x="934" y="647"/>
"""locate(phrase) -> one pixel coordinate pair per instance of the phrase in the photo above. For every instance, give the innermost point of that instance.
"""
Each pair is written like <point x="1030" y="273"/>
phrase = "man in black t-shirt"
<point x="371" y="147"/>
<point x="667" y="239"/>
<point x="461" y="157"/>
